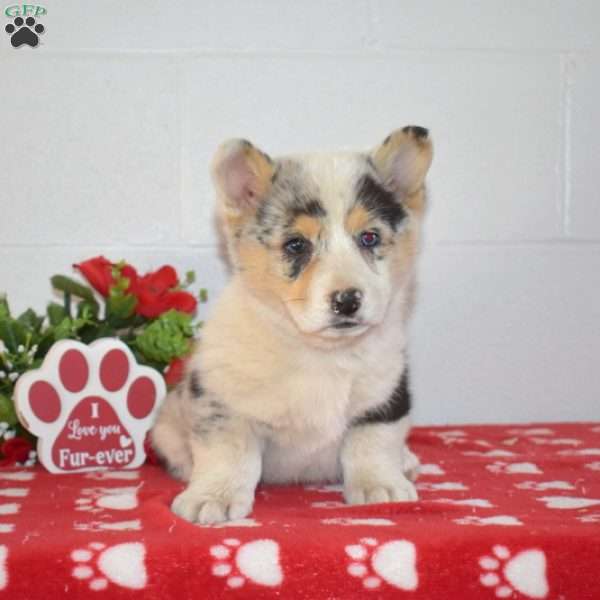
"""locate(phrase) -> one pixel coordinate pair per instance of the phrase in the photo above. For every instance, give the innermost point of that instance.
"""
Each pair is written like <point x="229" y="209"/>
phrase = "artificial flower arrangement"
<point x="152" y="313"/>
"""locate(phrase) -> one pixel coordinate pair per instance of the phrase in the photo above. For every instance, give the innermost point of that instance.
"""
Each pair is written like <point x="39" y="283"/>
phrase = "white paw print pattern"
<point x="245" y="522"/>
<point x="476" y="502"/>
<point x="504" y="520"/>
<point x="593" y="518"/>
<point x="350" y="521"/>
<point x="556" y="441"/>
<point x="443" y="486"/>
<point x="514" y="468"/>
<point x="10" y="508"/>
<point x="3" y="571"/>
<point x="106" y="475"/>
<point x="18" y="476"/>
<point x="393" y="562"/>
<point x="431" y="469"/>
<point x="132" y="525"/>
<point x="489" y="453"/>
<point x="256" y="561"/>
<point x="98" y="499"/>
<point x="582" y="452"/>
<point x="328" y="504"/>
<point x="568" y="502"/>
<point x="14" y="492"/>
<point x="540" y="486"/>
<point x="121" y="564"/>
<point x="524" y="573"/>
<point x="531" y="431"/>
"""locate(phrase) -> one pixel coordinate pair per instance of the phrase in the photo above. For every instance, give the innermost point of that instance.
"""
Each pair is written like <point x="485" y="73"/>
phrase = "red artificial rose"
<point x="155" y="295"/>
<point x="15" y="450"/>
<point x="181" y="300"/>
<point x="98" y="272"/>
<point x="154" y="291"/>
<point x="174" y="371"/>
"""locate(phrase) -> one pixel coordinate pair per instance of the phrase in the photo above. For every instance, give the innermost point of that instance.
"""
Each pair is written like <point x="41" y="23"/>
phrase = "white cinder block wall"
<point x="108" y="127"/>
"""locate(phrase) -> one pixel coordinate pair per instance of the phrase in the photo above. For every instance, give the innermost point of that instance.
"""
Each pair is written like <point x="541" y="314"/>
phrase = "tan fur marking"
<point x="261" y="269"/>
<point x="262" y="169"/>
<point x="309" y="227"/>
<point x="299" y="289"/>
<point x="357" y="220"/>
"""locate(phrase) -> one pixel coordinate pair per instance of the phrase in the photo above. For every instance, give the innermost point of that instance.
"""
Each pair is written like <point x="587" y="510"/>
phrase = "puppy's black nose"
<point x="346" y="302"/>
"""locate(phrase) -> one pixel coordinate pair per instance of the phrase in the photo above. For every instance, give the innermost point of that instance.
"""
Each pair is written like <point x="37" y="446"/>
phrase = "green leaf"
<point x="4" y="308"/>
<point x="12" y="333"/>
<point x="45" y="342"/>
<point x="88" y="310"/>
<point x="203" y="295"/>
<point x="70" y="286"/>
<point x="7" y="410"/>
<point x="190" y="277"/>
<point x="30" y="320"/>
<point x="64" y="330"/>
<point x="120" y="307"/>
<point x="56" y="313"/>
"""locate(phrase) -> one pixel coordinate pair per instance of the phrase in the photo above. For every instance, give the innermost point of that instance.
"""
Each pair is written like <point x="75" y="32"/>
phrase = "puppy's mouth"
<point x="344" y="328"/>
<point x="346" y="324"/>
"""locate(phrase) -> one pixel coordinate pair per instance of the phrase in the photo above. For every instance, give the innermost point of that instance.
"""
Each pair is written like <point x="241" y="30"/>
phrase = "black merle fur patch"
<point x="417" y="131"/>
<point x="212" y="416"/>
<point x="297" y="262"/>
<point x="309" y="207"/>
<point x="196" y="389"/>
<point x="290" y="195"/>
<point x="380" y="202"/>
<point x="393" y="409"/>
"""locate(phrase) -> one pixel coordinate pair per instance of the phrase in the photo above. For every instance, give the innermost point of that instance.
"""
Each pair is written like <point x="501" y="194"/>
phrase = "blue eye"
<point x="369" y="239"/>
<point x="296" y="246"/>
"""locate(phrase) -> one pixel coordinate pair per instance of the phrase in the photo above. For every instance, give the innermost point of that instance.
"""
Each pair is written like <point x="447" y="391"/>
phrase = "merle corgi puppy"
<point x="301" y="373"/>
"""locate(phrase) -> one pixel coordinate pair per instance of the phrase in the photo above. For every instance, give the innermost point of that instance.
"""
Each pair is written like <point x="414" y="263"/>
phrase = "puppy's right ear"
<point x="242" y="174"/>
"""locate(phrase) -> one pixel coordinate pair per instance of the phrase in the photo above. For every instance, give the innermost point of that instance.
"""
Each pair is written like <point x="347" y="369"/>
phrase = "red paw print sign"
<point x="89" y="406"/>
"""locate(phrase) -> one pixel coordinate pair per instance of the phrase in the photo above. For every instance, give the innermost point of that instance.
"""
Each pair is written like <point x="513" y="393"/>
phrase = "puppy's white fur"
<point x="276" y="390"/>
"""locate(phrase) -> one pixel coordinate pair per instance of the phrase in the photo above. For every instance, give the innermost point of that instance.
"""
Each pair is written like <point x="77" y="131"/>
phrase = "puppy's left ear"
<point x="403" y="159"/>
<point x="242" y="174"/>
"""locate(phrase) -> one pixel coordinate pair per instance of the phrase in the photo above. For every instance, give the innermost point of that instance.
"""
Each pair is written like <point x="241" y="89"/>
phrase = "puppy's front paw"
<point x="370" y="491"/>
<point x="207" y="509"/>
<point x="410" y="464"/>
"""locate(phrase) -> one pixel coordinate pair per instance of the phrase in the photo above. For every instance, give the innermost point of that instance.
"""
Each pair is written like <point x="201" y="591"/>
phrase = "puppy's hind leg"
<point x="226" y="469"/>
<point x="170" y="443"/>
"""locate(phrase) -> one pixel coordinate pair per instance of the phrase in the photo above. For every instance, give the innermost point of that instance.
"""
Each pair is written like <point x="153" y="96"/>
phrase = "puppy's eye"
<point x="297" y="246"/>
<point x="369" y="239"/>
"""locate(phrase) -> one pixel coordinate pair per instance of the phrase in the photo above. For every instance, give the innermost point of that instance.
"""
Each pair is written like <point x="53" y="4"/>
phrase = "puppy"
<point x="301" y="373"/>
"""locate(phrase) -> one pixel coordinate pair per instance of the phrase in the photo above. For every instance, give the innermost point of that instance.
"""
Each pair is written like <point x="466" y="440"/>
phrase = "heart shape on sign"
<point x="125" y="441"/>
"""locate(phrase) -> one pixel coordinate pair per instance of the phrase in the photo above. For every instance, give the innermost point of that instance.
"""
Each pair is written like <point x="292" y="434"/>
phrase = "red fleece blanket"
<point x="504" y="512"/>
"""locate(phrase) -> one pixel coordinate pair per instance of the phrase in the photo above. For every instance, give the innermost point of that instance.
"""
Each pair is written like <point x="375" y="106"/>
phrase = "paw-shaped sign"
<point x="89" y="406"/>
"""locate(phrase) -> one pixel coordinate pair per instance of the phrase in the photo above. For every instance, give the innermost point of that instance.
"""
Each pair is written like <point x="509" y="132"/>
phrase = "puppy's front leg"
<point x="226" y="469"/>
<point x="377" y="463"/>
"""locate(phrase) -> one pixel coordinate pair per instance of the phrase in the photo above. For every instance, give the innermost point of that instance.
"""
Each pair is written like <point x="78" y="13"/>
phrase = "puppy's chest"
<point x="319" y="401"/>
<point x="309" y="403"/>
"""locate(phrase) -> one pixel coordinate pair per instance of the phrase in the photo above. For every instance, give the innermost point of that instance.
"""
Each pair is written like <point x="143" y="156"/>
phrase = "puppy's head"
<point x="326" y="239"/>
